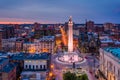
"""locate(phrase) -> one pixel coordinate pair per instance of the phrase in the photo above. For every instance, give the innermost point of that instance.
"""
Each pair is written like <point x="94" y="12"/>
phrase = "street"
<point x="90" y="65"/>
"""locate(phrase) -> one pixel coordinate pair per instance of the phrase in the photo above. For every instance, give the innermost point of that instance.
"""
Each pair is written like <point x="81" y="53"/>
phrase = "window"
<point x="114" y="69"/>
<point x="36" y="66"/>
<point x="26" y="66"/>
<point x="118" y="72"/>
<point x="44" y="67"/>
<point x="33" y="67"/>
<point x="29" y="66"/>
<point x="0" y="66"/>
<point x="0" y="74"/>
<point x="40" y="66"/>
<point x="110" y="65"/>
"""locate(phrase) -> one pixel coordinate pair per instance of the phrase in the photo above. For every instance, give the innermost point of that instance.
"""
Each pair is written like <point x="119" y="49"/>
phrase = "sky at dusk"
<point x="58" y="11"/>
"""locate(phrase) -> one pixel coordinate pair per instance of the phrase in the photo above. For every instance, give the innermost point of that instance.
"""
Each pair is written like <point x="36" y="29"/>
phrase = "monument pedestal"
<point x="70" y="57"/>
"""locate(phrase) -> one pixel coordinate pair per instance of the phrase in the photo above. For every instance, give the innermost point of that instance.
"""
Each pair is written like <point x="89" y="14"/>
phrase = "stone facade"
<point x="110" y="64"/>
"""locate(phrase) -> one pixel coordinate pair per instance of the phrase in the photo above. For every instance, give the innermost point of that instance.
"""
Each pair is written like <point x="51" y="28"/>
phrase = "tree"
<point x="82" y="77"/>
<point x="72" y="76"/>
<point x="69" y="76"/>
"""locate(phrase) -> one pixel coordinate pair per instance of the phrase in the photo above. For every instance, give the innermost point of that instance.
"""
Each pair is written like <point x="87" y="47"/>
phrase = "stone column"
<point x="70" y="35"/>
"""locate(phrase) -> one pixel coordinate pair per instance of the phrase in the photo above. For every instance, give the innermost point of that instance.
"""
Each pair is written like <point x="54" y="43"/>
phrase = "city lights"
<point x="39" y="40"/>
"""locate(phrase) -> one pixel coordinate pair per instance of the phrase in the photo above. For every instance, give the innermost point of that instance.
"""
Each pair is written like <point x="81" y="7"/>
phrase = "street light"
<point x="50" y="74"/>
<point x="51" y="66"/>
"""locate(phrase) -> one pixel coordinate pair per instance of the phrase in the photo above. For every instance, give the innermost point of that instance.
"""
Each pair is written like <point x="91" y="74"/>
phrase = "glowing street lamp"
<point x="52" y="66"/>
<point x="50" y="74"/>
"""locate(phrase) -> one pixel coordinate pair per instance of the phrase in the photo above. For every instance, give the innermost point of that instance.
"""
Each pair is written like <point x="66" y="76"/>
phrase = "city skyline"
<point x="55" y="11"/>
<point x="61" y="51"/>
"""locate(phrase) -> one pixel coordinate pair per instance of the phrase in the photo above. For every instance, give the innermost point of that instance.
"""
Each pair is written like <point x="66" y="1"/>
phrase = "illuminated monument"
<point x="70" y="35"/>
<point x="70" y="56"/>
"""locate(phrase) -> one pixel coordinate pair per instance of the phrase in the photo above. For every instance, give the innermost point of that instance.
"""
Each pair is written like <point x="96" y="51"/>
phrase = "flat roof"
<point x="47" y="38"/>
<point x="28" y="43"/>
<point x="2" y="60"/>
<point x="9" y="67"/>
<point x="43" y="56"/>
<point x="115" y="51"/>
<point x="24" y="56"/>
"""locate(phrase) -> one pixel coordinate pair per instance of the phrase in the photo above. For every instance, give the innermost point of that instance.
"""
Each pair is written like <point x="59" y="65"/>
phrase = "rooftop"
<point x="47" y="38"/>
<point x="3" y="60"/>
<point x="1" y="30"/>
<point x="117" y="42"/>
<point x="19" y="56"/>
<point x="38" y="56"/>
<point x="23" y="56"/>
<point x="32" y="75"/>
<point x="9" y="67"/>
<point x="106" y="39"/>
<point x="114" y="51"/>
<point x="28" y="43"/>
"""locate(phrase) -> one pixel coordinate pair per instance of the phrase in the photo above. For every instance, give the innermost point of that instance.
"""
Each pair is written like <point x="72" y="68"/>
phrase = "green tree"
<point x="69" y="76"/>
<point x="82" y="77"/>
<point x="72" y="76"/>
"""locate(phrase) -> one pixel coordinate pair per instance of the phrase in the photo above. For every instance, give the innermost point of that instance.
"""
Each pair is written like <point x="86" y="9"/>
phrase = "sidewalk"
<point x="90" y="76"/>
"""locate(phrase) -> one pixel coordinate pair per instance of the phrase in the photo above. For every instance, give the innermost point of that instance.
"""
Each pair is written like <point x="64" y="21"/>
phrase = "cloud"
<point x="59" y="10"/>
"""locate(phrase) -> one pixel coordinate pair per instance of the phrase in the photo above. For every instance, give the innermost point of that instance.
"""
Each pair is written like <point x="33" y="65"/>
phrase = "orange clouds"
<point x="5" y="22"/>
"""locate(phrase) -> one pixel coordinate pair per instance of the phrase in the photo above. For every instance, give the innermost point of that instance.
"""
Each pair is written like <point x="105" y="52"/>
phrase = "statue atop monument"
<point x="70" y="20"/>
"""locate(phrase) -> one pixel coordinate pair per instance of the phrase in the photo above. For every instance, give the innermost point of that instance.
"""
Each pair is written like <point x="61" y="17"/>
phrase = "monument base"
<point x="70" y="58"/>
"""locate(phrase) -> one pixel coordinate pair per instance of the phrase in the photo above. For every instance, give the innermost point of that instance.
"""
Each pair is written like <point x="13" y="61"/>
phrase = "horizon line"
<point x="1" y="22"/>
